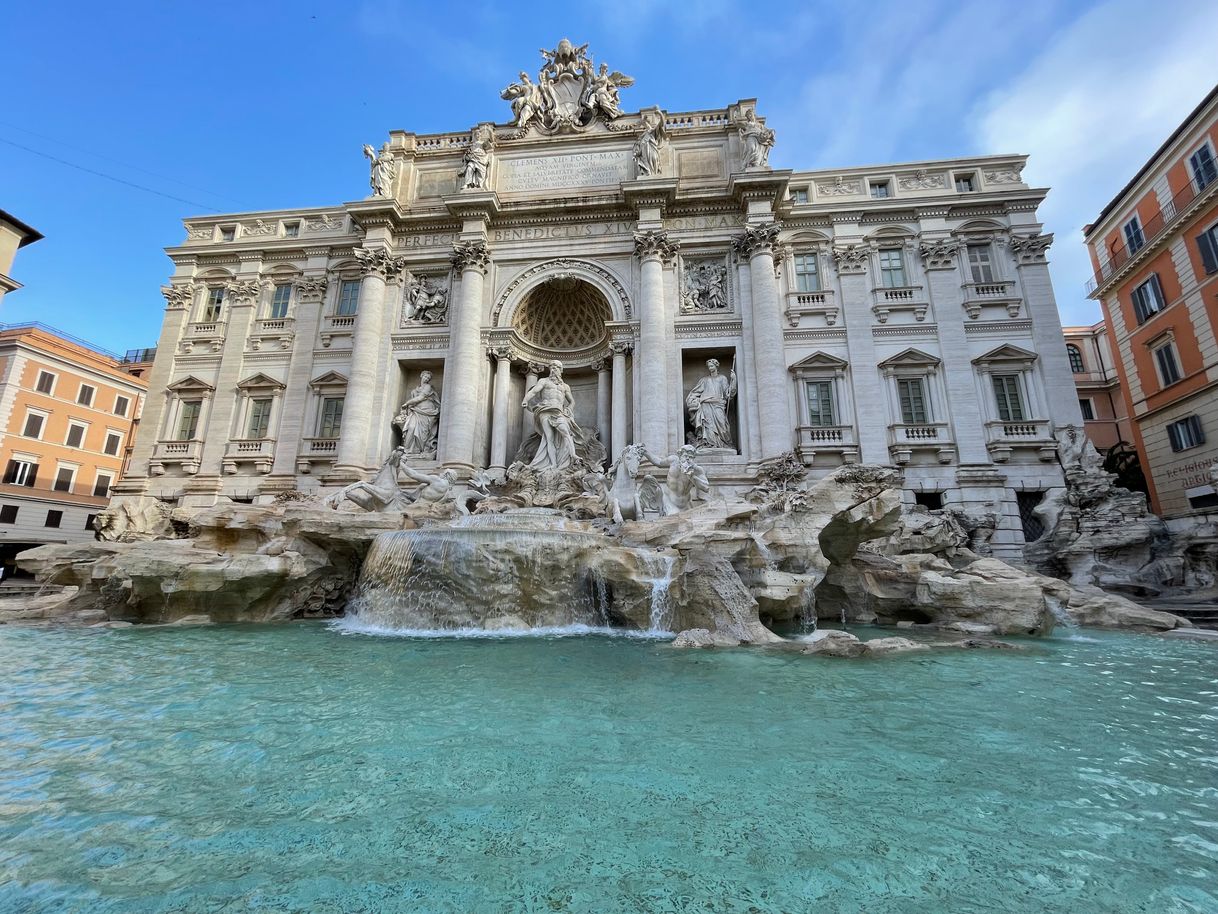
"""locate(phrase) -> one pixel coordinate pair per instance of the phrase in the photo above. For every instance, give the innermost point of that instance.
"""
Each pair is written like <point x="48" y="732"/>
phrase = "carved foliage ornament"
<point x="1031" y="248"/>
<point x="851" y="259"/>
<point x="312" y="288"/>
<point x="840" y="187"/>
<point x="920" y="180"/>
<point x="939" y="255"/>
<point x="759" y="239"/>
<point x="471" y="255"/>
<point x="654" y="244"/>
<point x="243" y="290"/>
<point x="1004" y="175"/>
<point x="379" y="262"/>
<point x="178" y="296"/>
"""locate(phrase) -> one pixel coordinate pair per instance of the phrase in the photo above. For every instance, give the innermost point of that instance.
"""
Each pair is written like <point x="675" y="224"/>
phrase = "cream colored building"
<point x="14" y="234"/>
<point x="896" y="314"/>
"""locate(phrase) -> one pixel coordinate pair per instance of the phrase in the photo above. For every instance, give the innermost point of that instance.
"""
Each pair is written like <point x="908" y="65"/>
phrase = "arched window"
<point x="1076" y="358"/>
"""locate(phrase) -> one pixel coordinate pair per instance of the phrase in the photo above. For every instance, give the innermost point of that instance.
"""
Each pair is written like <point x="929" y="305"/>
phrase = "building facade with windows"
<point x="1155" y="253"/>
<point x="1100" y="397"/>
<point x="14" y="235"/>
<point x="897" y="314"/>
<point x="67" y="417"/>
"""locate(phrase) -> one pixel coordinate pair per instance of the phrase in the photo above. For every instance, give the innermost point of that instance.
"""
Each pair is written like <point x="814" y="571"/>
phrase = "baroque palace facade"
<point x="896" y="314"/>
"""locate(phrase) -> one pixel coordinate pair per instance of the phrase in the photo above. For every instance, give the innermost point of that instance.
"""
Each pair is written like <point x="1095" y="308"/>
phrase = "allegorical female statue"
<point x="383" y="170"/>
<point x="477" y="160"/>
<point x="647" y="146"/>
<point x="758" y="140"/>
<point x="707" y="404"/>
<point x="419" y="419"/>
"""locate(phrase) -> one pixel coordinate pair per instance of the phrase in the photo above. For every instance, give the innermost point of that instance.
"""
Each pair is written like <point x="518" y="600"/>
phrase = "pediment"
<point x="189" y="383"/>
<point x="329" y="379"/>
<point x="1006" y="353"/>
<point x="260" y="380"/>
<point x="910" y="358"/>
<point x="820" y="360"/>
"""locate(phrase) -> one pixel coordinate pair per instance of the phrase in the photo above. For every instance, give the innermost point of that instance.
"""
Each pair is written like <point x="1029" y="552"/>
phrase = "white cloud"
<point x="1092" y="107"/>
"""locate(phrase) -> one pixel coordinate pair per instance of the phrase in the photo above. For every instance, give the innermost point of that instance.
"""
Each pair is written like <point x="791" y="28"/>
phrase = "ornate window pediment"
<point x="912" y="360"/>
<point x="260" y="381"/>
<point x="1006" y="356"/>
<point x="818" y="363"/>
<point x="331" y="379"/>
<point x="189" y="385"/>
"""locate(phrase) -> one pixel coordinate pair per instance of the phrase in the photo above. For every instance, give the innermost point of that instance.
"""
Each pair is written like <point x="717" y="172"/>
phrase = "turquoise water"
<point x="298" y="769"/>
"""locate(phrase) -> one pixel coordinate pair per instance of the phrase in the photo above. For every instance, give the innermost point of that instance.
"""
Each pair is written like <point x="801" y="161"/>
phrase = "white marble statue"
<point x="477" y="161"/>
<point x="525" y="97"/>
<point x="708" y="403"/>
<point x="418" y="419"/>
<point x="382" y="494"/>
<point x="705" y="287"/>
<point x="685" y="482"/>
<point x="383" y="170"/>
<point x="622" y="498"/>
<point x="1076" y="450"/>
<point x="436" y="492"/>
<point x="758" y="140"/>
<point x="553" y="407"/>
<point x="601" y="93"/>
<point x="647" y="146"/>
<point x="565" y="59"/>
<point x="426" y="301"/>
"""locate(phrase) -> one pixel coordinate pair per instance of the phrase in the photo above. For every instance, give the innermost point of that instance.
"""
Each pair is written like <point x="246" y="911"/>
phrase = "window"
<point x="1075" y="355"/>
<point x="188" y="421"/>
<point x="280" y="300"/>
<point x="213" y="305"/>
<point x="1169" y="366"/>
<point x="1148" y="299"/>
<point x="348" y="297"/>
<point x="291" y="229"/>
<point x="228" y="233"/>
<point x="64" y="479"/>
<point x="8" y="514"/>
<point x="76" y="434"/>
<point x="85" y="396"/>
<point x="101" y="487"/>
<point x="260" y="418"/>
<point x="892" y="268"/>
<point x="1010" y="402"/>
<point x="1185" y="433"/>
<point x="21" y="473"/>
<point x="114" y="441"/>
<point x="1207" y="241"/>
<point x="820" y="403"/>
<point x="1033" y="527"/>
<point x="33" y="425"/>
<point x="981" y="262"/>
<point x="46" y="382"/>
<point x="331" y="418"/>
<point x="912" y="394"/>
<point x="54" y="518"/>
<point x="966" y="184"/>
<point x="807" y="273"/>
<point x="879" y="189"/>
<point x="799" y="196"/>
<point x="932" y="500"/>
<point x="1134" y="239"/>
<point x="91" y="522"/>
<point x="121" y="405"/>
<point x="1088" y="409"/>
<point x="1204" y="168"/>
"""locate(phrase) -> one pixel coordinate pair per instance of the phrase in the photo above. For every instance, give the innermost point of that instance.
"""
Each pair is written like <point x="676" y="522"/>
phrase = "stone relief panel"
<point x="704" y="286"/>
<point x="922" y="180"/>
<point x="425" y="299"/>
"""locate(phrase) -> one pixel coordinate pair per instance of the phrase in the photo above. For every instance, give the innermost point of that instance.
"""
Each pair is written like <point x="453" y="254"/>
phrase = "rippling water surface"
<point x="299" y="769"/>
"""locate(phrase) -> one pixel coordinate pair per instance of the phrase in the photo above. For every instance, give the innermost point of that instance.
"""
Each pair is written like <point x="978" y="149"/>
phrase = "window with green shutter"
<point x="820" y="403"/>
<point x="912" y="394"/>
<point x="1006" y="392"/>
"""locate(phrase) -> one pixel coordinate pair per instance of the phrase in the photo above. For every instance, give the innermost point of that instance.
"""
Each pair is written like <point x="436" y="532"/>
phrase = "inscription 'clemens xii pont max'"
<point x="579" y="169"/>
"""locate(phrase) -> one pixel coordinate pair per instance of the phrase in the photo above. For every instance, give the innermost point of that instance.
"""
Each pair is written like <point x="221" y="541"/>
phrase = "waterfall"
<point x="1060" y="615"/>
<point x="807" y="610"/>
<point x="660" y="618"/>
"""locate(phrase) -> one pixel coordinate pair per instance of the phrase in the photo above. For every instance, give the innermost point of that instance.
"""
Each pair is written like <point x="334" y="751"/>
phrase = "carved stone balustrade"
<point x="207" y="336"/>
<point x="814" y="440"/>
<point x="1004" y="438"/>
<point x="899" y="298"/>
<point x="336" y="325"/>
<point x="811" y="303"/>
<point x="906" y="438"/>
<point x="185" y="454"/>
<point x="316" y="451"/>
<point x="258" y="451"/>
<point x="978" y="295"/>
<point x="272" y="333"/>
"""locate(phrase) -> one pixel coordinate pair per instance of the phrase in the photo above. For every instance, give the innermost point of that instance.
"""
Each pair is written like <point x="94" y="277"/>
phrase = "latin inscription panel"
<point x="576" y="169"/>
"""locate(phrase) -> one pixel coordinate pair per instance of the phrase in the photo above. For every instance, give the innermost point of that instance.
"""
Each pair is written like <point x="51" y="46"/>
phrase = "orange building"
<point x="1100" y="398"/>
<point x="68" y="413"/>
<point x="1154" y="249"/>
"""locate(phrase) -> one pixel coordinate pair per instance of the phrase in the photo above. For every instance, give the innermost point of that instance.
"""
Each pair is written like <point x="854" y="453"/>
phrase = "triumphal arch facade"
<point x="693" y="293"/>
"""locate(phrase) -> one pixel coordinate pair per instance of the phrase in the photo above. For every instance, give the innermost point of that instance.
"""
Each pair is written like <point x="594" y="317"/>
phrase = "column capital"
<point x="471" y="255"/>
<point x="655" y="244"/>
<point x="757" y="239"/>
<point x="500" y="353"/>
<point x="939" y="254"/>
<point x="621" y="347"/>
<point x="312" y="288"/>
<point x="851" y="258"/>
<point x="379" y="262"/>
<point x="1030" y="249"/>
<point x="599" y="365"/>
<point x="242" y="292"/>
<point x="179" y="296"/>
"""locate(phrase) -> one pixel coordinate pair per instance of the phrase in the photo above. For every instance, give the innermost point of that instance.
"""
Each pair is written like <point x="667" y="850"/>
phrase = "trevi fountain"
<point x="482" y="702"/>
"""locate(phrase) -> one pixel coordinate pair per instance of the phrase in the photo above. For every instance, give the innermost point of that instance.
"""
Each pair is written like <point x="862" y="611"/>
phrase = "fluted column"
<point x="653" y="249"/>
<point x="603" y="402"/>
<point x="462" y="373"/>
<point x="618" y="432"/>
<point x="757" y="245"/>
<point x="378" y="266"/>
<point x="499" y="422"/>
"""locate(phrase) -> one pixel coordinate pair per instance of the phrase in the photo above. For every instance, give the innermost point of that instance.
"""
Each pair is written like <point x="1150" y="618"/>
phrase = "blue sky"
<point x="261" y="105"/>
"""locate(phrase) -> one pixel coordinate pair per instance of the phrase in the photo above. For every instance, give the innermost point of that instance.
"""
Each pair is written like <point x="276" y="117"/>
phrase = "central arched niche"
<point x="563" y="315"/>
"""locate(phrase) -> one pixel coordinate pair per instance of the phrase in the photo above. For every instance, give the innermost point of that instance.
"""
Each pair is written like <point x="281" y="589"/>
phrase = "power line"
<point x="98" y="155"/>
<point x="102" y="174"/>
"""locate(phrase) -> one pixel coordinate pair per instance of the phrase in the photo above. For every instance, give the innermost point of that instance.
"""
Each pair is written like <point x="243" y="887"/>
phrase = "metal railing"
<point x="135" y="356"/>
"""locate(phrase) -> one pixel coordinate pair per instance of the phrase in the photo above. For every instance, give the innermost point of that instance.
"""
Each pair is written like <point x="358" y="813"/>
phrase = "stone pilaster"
<point x="654" y="250"/>
<point x="850" y="261"/>
<point x="772" y="383"/>
<point x="462" y="374"/>
<point x="379" y="267"/>
<point x="306" y="318"/>
<point x="241" y="303"/>
<point x="499" y="422"/>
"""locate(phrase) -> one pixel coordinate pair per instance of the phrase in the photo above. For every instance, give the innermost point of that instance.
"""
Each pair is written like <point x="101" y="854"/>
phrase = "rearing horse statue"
<point x="623" y="499"/>
<point x="382" y="494"/>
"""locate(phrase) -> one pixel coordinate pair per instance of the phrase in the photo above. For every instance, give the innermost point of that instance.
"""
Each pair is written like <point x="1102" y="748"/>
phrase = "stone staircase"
<point x="1203" y="613"/>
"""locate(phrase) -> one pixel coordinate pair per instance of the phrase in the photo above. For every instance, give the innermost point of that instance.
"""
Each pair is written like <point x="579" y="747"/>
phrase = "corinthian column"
<point x="654" y="250"/>
<point x="499" y="425"/>
<point x="603" y="401"/>
<point x="618" y="432"/>
<point x="379" y="267"/>
<point x="463" y="371"/>
<point x="757" y="246"/>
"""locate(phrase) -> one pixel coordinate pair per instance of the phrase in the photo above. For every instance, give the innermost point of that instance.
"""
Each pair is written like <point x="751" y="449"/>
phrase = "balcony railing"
<point x="900" y="298"/>
<point x="979" y="294"/>
<point x="321" y="446"/>
<point x="259" y="451"/>
<point x="922" y="432"/>
<point x="1004" y="437"/>
<point x="1152" y="230"/>
<point x="186" y="454"/>
<point x="907" y="437"/>
<point x="819" y="302"/>
<point x="826" y="439"/>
